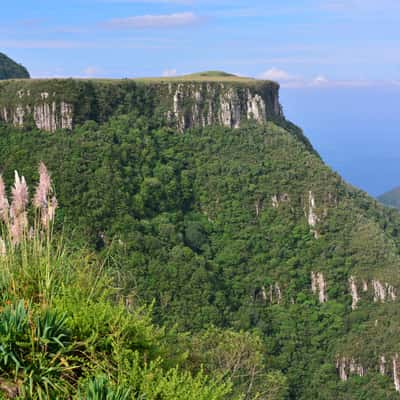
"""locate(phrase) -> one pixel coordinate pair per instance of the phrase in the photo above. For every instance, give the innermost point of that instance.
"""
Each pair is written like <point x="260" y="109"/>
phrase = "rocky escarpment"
<point x="382" y="291"/>
<point x="318" y="286"/>
<point x="205" y="104"/>
<point x="386" y="366"/>
<point x="62" y="104"/>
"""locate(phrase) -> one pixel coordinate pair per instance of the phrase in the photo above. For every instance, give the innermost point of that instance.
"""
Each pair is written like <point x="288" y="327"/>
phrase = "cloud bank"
<point x="154" y="21"/>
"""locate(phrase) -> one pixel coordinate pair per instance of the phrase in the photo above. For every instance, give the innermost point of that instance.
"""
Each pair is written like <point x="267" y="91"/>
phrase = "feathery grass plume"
<point x="44" y="187"/>
<point x="19" y="216"/>
<point x="41" y="200"/>
<point x="4" y="205"/>
<point x="3" y="248"/>
<point x="27" y="255"/>
<point x="51" y="212"/>
<point x="20" y="195"/>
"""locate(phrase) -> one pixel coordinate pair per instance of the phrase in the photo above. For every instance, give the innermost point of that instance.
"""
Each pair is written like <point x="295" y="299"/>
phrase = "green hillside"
<point x="265" y="269"/>
<point x="9" y="69"/>
<point x="206" y="76"/>
<point x="391" y="198"/>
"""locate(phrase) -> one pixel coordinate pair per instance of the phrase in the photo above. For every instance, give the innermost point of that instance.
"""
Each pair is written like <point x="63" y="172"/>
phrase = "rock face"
<point x="312" y="217"/>
<point x="348" y="366"/>
<point x="192" y="105"/>
<point x="354" y="292"/>
<point x="318" y="286"/>
<point x="396" y="372"/>
<point x="383" y="292"/>
<point x="62" y="104"/>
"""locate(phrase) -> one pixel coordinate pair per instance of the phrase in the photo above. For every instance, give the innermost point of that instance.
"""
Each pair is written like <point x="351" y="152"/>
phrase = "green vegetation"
<point x="391" y="198"/>
<point x="99" y="100"/>
<point x="65" y="332"/>
<point x="207" y="76"/>
<point x="190" y="256"/>
<point x="9" y="69"/>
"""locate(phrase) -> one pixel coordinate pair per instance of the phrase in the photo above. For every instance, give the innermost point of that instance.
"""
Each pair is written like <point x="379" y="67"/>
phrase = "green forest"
<point x="180" y="266"/>
<point x="9" y="69"/>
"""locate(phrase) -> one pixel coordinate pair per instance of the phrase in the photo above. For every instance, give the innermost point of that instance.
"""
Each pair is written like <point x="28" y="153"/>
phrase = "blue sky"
<point x="296" y="41"/>
<point x="336" y="60"/>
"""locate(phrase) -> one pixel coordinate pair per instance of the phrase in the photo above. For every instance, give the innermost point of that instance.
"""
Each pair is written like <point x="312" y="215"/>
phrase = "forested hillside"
<point x="9" y="69"/>
<point x="391" y="198"/>
<point x="243" y="240"/>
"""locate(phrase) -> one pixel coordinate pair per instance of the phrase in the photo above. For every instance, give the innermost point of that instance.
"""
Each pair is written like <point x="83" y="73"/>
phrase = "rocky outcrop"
<point x="279" y="198"/>
<point x="318" y="286"/>
<point x="382" y="292"/>
<point x="312" y="217"/>
<point x="204" y="104"/>
<point x="354" y="292"/>
<point x="47" y="113"/>
<point x="396" y="372"/>
<point x="349" y="366"/>
<point x="382" y="365"/>
<point x="275" y="294"/>
<point x="61" y="104"/>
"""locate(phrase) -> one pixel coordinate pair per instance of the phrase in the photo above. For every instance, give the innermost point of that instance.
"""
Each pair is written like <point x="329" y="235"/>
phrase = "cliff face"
<point x="61" y="104"/>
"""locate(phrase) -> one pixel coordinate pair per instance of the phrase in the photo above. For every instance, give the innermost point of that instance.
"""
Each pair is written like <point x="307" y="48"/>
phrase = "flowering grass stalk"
<point x="29" y="257"/>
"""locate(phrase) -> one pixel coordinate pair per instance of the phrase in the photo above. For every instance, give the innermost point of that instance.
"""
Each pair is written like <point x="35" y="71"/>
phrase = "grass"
<point x="65" y="332"/>
<point x="207" y="76"/>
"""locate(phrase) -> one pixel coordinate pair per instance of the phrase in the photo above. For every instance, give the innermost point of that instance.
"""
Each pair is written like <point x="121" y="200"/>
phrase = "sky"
<point x="338" y="61"/>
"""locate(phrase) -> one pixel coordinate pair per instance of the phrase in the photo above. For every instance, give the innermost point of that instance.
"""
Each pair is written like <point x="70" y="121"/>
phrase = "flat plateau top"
<point x="209" y="76"/>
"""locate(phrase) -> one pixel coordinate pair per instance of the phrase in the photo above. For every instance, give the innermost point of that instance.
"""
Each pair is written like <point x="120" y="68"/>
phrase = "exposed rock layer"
<point x="318" y="286"/>
<point x="61" y="104"/>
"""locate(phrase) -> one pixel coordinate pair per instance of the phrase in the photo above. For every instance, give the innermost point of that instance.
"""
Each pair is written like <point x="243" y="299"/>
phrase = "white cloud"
<point x="154" y="21"/>
<point x="320" y="80"/>
<point x="169" y="73"/>
<point x="150" y="1"/>
<point x="287" y="80"/>
<point x="184" y="2"/>
<point x="275" y="74"/>
<point x="360" y="5"/>
<point x="77" y="44"/>
<point x="91" y="71"/>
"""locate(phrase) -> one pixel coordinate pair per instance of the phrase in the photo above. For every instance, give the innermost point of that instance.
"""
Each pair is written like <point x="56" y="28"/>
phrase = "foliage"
<point x="72" y="336"/>
<point x="211" y="227"/>
<point x="391" y="198"/>
<point x="9" y="69"/>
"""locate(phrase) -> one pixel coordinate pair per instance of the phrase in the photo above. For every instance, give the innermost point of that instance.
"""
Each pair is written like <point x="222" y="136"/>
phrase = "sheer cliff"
<point x="62" y="104"/>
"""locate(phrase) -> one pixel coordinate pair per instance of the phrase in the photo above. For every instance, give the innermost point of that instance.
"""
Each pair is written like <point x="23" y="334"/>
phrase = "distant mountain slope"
<point x="9" y="69"/>
<point x="391" y="198"/>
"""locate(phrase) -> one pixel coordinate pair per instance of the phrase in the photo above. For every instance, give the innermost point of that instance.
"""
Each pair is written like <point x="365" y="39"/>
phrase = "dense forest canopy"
<point x="9" y="69"/>
<point x="264" y="269"/>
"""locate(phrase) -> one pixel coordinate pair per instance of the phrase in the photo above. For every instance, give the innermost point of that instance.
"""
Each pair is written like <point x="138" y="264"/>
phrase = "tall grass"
<point x="31" y="261"/>
<point x="64" y="331"/>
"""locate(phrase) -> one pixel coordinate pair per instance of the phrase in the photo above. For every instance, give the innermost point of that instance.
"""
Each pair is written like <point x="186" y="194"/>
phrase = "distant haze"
<point x="355" y="130"/>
